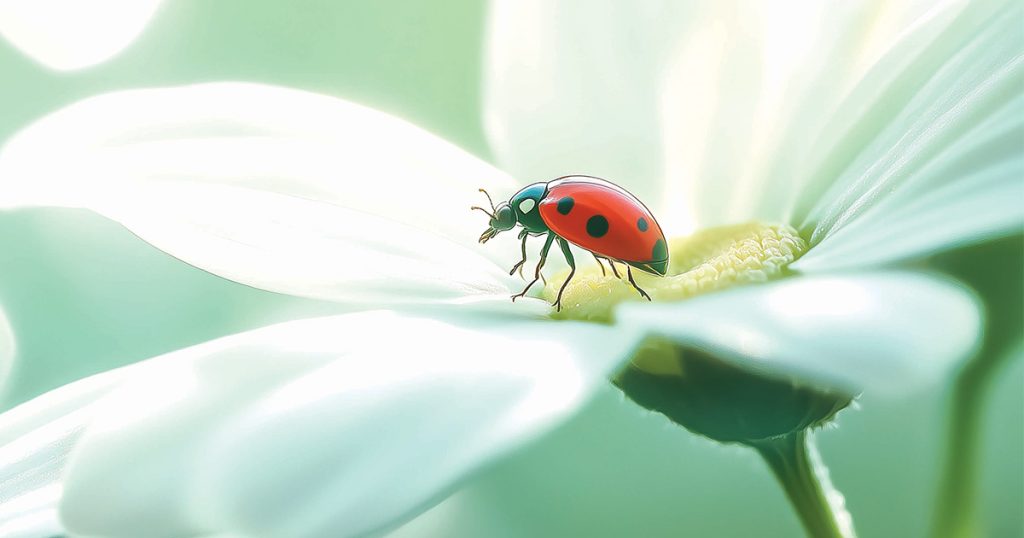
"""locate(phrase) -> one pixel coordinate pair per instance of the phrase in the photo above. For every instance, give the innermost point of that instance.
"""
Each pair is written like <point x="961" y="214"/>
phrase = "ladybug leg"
<point x="564" y="245"/>
<point x="601" y="265"/>
<point x="629" y="271"/>
<point x="614" y="270"/>
<point x="540" y="265"/>
<point x="522" y="235"/>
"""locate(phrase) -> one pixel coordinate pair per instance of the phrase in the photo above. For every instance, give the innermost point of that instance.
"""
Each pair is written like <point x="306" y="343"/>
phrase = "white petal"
<point x="971" y="193"/>
<point x="335" y="426"/>
<point x="945" y="167"/>
<point x="752" y="90"/>
<point x="276" y="188"/>
<point x="70" y="34"/>
<point x="875" y="331"/>
<point x="570" y="88"/>
<point x="36" y="439"/>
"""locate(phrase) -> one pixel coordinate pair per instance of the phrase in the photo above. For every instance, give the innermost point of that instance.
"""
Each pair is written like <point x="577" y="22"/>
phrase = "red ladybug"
<point x="589" y="212"/>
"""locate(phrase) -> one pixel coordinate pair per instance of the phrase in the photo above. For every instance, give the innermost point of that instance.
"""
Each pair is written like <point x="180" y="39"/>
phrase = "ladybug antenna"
<point x="489" y="199"/>
<point x="489" y="214"/>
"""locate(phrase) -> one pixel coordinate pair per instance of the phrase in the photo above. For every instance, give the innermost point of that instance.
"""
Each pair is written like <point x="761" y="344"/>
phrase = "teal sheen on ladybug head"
<point x="518" y="210"/>
<point x="585" y="211"/>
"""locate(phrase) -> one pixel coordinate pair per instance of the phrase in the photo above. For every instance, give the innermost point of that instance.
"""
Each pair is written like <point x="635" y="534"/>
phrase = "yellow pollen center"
<point x="708" y="260"/>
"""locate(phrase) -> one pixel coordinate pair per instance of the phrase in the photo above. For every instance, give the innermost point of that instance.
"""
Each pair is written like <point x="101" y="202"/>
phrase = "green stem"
<point x="955" y="514"/>
<point x="993" y="269"/>
<point x="798" y="468"/>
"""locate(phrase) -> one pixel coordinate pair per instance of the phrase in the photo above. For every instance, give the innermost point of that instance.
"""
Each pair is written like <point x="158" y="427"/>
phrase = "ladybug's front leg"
<point x="540" y="265"/>
<point x="522" y="235"/>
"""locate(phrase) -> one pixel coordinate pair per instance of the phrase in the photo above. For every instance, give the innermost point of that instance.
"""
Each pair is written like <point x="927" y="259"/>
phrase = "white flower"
<point x="73" y="34"/>
<point x="881" y="151"/>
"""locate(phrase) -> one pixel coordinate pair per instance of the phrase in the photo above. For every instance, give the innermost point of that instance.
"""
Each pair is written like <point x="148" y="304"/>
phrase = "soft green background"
<point x="84" y="295"/>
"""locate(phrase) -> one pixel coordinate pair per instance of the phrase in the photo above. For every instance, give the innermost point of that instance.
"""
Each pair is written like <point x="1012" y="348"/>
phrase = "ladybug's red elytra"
<point x="592" y="213"/>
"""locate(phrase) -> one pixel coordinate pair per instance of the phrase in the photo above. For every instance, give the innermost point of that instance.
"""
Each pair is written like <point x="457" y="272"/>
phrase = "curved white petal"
<point x="36" y="439"/>
<point x="877" y="331"/>
<point x="334" y="426"/>
<point x="944" y="167"/>
<point x="752" y="89"/>
<point x="972" y="192"/>
<point x="69" y="34"/>
<point x="277" y="188"/>
<point x="570" y="87"/>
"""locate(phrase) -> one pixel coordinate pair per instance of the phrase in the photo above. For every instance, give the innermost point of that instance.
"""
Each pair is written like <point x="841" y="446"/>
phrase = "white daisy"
<point x="850" y="146"/>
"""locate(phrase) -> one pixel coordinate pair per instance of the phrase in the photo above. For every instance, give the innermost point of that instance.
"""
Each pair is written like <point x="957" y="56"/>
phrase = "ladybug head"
<point x="502" y="218"/>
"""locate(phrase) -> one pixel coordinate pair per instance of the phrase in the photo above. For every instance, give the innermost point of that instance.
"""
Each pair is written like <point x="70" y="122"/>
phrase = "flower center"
<point x="708" y="260"/>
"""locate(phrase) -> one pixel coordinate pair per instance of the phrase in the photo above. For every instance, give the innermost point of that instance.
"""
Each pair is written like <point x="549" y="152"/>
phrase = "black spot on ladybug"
<point x="660" y="251"/>
<point x="597" y="226"/>
<point x="642" y="224"/>
<point x="565" y="205"/>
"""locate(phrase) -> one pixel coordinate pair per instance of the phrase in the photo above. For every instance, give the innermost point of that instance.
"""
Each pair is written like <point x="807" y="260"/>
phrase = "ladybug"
<point x="592" y="213"/>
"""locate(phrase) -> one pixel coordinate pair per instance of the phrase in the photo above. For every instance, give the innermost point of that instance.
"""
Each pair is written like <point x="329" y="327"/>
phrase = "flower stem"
<point x="993" y="269"/>
<point x="957" y="509"/>
<point x="797" y="466"/>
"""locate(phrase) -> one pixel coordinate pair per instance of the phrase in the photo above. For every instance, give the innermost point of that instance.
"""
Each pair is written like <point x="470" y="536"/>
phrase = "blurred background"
<point x="84" y="295"/>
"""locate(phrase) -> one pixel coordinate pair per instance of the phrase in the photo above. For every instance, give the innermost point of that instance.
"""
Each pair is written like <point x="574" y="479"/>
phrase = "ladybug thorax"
<point x="526" y="204"/>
